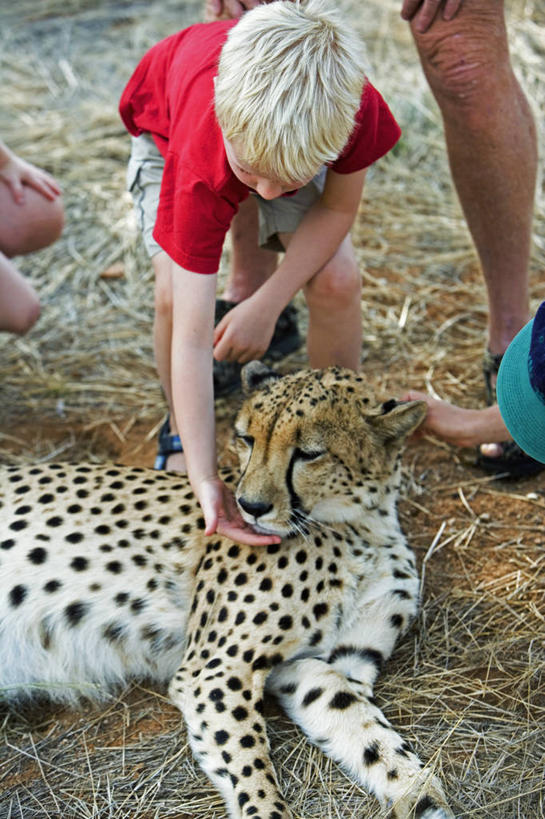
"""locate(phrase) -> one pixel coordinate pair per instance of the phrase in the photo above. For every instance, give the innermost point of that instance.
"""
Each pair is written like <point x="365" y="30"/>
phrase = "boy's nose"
<point x="268" y="190"/>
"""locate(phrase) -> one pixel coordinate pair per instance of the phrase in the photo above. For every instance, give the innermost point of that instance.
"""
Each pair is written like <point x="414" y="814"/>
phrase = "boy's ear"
<point x="255" y="375"/>
<point x="398" y="419"/>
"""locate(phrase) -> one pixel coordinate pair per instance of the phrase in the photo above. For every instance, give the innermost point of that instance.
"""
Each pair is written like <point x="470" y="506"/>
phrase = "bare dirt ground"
<point x="467" y="684"/>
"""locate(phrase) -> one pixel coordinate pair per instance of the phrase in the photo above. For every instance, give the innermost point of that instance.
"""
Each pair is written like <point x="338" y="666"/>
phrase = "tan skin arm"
<point x="460" y="426"/>
<point x="193" y="399"/>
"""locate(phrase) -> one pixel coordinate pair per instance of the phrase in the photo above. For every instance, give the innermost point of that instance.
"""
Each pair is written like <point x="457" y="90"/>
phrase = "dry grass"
<point x="467" y="683"/>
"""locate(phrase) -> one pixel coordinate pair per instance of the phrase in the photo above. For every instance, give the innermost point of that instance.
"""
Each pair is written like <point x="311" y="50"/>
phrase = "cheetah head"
<point x="315" y="447"/>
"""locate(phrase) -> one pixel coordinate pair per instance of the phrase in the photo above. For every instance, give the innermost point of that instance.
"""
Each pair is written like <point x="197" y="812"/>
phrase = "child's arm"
<point x="245" y="332"/>
<point x="193" y="399"/>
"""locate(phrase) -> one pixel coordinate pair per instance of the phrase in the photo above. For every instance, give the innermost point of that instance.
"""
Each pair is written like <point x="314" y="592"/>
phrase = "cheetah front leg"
<point x="222" y="707"/>
<point x="346" y="724"/>
<point x="331" y="699"/>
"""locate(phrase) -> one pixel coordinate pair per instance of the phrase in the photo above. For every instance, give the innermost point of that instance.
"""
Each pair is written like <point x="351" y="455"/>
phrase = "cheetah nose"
<point x="257" y="508"/>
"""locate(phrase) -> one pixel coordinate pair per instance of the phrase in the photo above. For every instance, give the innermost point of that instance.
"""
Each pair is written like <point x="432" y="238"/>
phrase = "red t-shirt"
<point x="171" y="96"/>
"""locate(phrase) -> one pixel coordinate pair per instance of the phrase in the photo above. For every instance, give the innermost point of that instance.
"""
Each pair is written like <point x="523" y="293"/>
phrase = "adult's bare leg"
<point x="25" y="227"/>
<point x="30" y="226"/>
<point x="491" y="142"/>
<point x="19" y="304"/>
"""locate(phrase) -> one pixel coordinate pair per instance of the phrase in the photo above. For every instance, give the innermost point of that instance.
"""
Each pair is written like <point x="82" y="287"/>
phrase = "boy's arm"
<point x="245" y="332"/>
<point x="193" y="399"/>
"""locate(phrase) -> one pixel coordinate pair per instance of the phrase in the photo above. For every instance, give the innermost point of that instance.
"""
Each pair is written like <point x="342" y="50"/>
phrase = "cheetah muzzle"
<point x="114" y="559"/>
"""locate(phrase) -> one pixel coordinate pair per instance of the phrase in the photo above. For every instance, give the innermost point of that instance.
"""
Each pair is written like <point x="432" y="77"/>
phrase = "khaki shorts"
<point x="144" y="174"/>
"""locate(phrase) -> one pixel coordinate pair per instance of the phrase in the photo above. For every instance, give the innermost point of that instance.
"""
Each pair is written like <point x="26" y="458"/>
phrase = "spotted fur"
<point x="107" y="576"/>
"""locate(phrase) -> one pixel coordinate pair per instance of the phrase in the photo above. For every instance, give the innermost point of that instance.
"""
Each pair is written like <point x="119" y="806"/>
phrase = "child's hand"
<point x="221" y="515"/>
<point x="16" y="174"/>
<point x="244" y="333"/>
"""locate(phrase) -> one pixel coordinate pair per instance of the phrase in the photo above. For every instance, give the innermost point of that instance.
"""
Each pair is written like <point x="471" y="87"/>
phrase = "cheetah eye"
<point x="309" y="454"/>
<point x="248" y="440"/>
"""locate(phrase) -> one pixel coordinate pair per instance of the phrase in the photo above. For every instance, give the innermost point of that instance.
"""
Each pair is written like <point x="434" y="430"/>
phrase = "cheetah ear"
<point x="255" y="375"/>
<point x="398" y="419"/>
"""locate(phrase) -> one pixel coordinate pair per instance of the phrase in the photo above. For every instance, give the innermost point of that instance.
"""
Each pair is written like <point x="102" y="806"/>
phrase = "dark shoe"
<point x="513" y="462"/>
<point x="168" y="445"/>
<point x="285" y="340"/>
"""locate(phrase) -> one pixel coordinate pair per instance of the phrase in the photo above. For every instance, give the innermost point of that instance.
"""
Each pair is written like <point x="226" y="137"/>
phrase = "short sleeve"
<point x="376" y="132"/>
<point x="192" y="219"/>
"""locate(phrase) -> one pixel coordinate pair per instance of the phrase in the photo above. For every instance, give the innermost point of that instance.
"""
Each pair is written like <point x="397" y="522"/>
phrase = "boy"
<point x="260" y="105"/>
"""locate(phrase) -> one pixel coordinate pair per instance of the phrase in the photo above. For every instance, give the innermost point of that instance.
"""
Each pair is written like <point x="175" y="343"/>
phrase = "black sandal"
<point x="168" y="445"/>
<point x="513" y="463"/>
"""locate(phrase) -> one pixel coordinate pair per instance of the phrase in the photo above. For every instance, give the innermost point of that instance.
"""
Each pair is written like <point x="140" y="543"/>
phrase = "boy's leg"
<point x="333" y="297"/>
<point x="251" y="265"/>
<point x="162" y="341"/>
<point x="19" y="305"/>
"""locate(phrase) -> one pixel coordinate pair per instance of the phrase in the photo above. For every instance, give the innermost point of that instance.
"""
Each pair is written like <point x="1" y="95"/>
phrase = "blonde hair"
<point x="289" y="84"/>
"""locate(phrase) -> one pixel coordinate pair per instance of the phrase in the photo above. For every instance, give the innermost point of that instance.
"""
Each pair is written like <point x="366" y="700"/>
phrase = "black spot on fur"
<point x="221" y="737"/>
<point x="342" y="700"/>
<point x="75" y="612"/>
<point x="312" y="695"/>
<point x="37" y="555"/>
<point x="79" y="564"/>
<point x="371" y="754"/>
<point x="424" y="804"/>
<point x="17" y="595"/>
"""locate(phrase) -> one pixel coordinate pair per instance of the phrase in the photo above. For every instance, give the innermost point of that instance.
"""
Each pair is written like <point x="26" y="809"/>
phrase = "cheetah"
<point x="107" y="576"/>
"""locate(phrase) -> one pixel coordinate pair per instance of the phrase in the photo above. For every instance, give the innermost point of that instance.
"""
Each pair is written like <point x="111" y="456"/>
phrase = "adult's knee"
<point x="37" y="224"/>
<point x="466" y="60"/>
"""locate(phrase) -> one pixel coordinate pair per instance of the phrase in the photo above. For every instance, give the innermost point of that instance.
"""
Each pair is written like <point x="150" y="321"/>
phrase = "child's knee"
<point x="336" y="285"/>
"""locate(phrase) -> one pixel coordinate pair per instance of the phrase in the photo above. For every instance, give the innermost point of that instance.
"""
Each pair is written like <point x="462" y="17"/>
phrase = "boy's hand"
<point x="424" y="12"/>
<point x="16" y="174"/>
<point x="221" y="515"/>
<point x="244" y="333"/>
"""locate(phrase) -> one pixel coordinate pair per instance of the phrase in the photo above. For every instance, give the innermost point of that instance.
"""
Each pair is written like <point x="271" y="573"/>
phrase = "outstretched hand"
<point x="424" y="12"/>
<point x="16" y="174"/>
<point x="222" y="516"/>
<point x="458" y="425"/>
